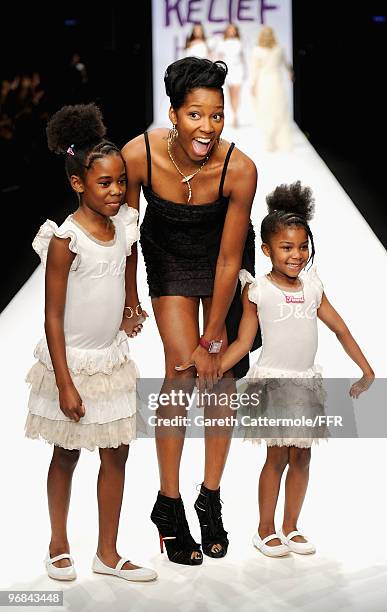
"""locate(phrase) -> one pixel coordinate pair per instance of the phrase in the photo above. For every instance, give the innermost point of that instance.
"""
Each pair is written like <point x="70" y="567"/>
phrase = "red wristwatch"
<point x="212" y="346"/>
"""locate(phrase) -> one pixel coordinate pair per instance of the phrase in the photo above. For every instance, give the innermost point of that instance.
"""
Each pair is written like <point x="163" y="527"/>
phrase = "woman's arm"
<point x="59" y="260"/>
<point x="243" y="178"/>
<point x="247" y="331"/>
<point x="332" y="319"/>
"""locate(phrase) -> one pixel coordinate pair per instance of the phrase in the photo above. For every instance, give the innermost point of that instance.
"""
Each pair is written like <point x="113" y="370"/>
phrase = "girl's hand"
<point x="361" y="385"/>
<point x="133" y="326"/>
<point x="70" y="403"/>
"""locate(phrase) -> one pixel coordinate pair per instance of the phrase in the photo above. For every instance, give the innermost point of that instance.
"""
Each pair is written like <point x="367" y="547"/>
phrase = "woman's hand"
<point x="361" y="385"/>
<point x="70" y="402"/>
<point x="133" y="326"/>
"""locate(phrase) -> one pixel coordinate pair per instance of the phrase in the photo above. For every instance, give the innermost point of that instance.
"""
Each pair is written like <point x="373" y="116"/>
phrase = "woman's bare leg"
<point x="234" y="91"/>
<point x="177" y="322"/>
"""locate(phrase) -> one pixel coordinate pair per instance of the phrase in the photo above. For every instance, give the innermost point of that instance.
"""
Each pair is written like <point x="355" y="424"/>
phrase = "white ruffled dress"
<point x="97" y="350"/>
<point x="285" y="376"/>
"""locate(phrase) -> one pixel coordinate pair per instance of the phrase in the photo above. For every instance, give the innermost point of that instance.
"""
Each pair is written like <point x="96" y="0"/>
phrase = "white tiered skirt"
<point x="285" y="394"/>
<point x="106" y="382"/>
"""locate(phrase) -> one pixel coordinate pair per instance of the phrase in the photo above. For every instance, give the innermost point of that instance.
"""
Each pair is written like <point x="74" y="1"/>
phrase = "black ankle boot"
<point x="208" y="507"/>
<point x="169" y="517"/>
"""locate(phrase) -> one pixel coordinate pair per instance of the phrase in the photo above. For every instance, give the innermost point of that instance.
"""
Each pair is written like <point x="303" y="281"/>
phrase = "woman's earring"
<point x="173" y="133"/>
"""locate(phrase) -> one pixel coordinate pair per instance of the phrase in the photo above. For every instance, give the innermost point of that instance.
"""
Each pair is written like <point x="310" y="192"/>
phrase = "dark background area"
<point x="340" y="52"/>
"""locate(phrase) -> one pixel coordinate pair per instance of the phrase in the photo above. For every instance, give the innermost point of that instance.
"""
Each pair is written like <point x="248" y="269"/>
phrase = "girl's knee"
<point x="114" y="457"/>
<point x="66" y="458"/>
<point x="277" y="457"/>
<point x="299" y="458"/>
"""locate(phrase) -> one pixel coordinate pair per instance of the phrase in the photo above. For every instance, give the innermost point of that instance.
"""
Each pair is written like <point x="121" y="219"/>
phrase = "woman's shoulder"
<point x="239" y="160"/>
<point x="239" y="165"/>
<point x="136" y="148"/>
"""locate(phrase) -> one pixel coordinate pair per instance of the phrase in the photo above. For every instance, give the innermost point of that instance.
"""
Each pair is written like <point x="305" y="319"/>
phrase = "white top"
<point x="197" y="48"/>
<point x="230" y="50"/>
<point x="288" y="326"/>
<point x="95" y="296"/>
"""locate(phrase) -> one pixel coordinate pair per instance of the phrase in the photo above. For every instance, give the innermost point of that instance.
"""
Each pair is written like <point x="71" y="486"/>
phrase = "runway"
<point x="344" y="511"/>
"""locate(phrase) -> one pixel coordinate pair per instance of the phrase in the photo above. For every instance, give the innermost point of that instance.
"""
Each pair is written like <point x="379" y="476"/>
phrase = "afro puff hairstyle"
<point x="78" y="132"/>
<point x="289" y="205"/>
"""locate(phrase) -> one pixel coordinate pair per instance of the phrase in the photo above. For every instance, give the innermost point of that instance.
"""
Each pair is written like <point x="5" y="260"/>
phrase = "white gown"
<point x="289" y="382"/>
<point x="270" y="98"/>
<point x="97" y="350"/>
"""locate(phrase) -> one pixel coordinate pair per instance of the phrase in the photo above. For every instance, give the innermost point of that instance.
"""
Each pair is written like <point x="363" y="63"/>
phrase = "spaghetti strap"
<point x="227" y="159"/>
<point x="148" y="159"/>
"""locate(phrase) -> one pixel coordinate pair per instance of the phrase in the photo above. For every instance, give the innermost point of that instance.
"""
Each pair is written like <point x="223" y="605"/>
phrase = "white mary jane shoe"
<point x="142" y="574"/>
<point x="60" y="573"/>
<point x="302" y="548"/>
<point x="280" y="550"/>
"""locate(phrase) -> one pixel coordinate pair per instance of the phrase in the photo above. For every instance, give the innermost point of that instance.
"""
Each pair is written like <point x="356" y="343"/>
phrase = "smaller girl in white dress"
<point x="286" y="304"/>
<point x="83" y="386"/>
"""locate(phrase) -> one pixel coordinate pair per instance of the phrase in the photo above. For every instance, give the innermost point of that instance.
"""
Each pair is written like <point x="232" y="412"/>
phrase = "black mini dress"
<point x="180" y="244"/>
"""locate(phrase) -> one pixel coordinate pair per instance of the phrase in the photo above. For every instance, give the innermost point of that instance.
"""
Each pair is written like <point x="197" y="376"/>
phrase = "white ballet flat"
<point x="302" y="548"/>
<point x="280" y="550"/>
<point x="142" y="574"/>
<point x="60" y="573"/>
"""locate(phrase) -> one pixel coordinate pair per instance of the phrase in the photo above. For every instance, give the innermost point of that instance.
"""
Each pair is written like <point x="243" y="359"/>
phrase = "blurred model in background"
<point x="196" y="43"/>
<point x="270" y="98"/>
<point x="230" y="51"/>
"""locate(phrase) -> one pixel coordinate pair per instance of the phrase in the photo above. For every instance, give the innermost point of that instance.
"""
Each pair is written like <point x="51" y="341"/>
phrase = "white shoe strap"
<point x="59" y="558"/>
<point x="273" y="536"/>
<point x="292" y="534"/>
<point x="121" y="562"/>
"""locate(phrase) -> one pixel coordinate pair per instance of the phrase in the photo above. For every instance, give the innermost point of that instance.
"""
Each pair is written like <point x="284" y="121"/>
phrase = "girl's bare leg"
<point x="296" y="485"/>
<point x="269" y="485"/>
<point x="110" y="489"/>
<point x="59" y="481"/>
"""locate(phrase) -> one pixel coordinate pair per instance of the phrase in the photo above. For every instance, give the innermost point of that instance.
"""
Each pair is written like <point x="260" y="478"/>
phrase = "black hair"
<point x="78" y="131"/>
<point x="189" y="73"/>
<point x="289" y="205"/>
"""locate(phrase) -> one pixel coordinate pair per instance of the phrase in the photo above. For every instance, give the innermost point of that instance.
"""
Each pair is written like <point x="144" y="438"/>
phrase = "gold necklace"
<point x="186" y="179"/>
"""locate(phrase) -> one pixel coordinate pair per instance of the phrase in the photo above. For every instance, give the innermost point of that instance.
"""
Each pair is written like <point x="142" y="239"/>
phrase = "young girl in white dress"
<point x="286" y="305"/>
<point x="83" y="386"/>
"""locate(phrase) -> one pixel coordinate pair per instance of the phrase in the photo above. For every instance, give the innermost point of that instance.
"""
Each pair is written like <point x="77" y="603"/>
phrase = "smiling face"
<point x="288" y="250"/>
<point x="103" y="188"/>
<point x="199" y="121"/>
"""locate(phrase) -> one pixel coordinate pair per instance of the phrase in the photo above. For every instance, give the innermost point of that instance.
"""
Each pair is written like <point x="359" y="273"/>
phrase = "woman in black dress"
<point x="196" y="235"/>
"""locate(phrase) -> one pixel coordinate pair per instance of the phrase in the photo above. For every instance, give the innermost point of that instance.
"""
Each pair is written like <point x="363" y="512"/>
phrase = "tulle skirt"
<point x="106" y="381"/>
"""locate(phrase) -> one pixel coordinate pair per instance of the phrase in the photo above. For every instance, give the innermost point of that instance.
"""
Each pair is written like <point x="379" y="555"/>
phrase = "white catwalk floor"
<point x="344" y="512"/>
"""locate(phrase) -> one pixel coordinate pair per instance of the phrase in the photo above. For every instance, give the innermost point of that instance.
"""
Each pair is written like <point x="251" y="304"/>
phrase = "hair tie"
<point x="70" y="150"/>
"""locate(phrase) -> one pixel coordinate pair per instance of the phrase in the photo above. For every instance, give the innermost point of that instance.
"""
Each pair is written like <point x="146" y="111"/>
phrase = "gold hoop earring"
<point x="173" y="133"/>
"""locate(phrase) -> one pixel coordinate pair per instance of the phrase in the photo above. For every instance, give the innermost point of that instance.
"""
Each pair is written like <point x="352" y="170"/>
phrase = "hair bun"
<point x="293" y="199"/>
<point x="79" y="126"/>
